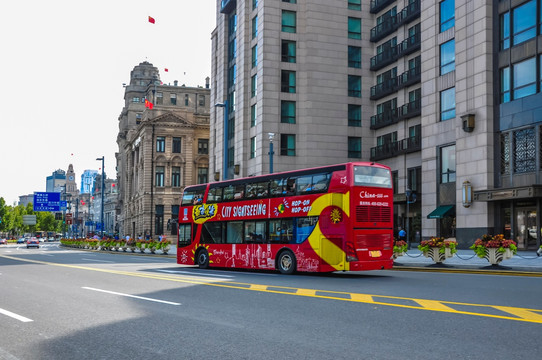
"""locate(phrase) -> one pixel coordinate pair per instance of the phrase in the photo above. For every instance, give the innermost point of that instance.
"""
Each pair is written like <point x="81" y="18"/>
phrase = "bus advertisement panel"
<point x="333" y="218"/>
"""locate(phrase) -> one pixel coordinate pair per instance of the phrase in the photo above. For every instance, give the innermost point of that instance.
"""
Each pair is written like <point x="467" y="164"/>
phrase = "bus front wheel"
<point x="286" y="262"/>
<point x="203" y="259"/>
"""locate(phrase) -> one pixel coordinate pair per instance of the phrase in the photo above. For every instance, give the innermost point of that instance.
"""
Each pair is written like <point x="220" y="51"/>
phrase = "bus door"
<point x="259" y="248"/>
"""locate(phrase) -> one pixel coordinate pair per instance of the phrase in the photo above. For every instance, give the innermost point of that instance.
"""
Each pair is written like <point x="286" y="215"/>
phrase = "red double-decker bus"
<point x="331" y="218"/>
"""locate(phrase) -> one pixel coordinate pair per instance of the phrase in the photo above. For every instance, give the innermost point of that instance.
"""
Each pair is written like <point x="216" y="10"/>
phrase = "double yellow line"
<point x="490" y="311"/>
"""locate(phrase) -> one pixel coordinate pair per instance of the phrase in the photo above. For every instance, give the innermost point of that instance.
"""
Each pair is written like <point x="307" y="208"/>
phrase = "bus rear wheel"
<point x="286" y="262"/>
<point x="203" y="259"/>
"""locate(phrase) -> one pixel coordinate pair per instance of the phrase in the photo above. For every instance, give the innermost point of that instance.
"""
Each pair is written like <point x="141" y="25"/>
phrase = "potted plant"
<point x="494" y="248"/>
<point x="141" y="245"/>
<point x="438" y="249"/>
<point x="163" y="245"/>
<point x="399" y="248"/>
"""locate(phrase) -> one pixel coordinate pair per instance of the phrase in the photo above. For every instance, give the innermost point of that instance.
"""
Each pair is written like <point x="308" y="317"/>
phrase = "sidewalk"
<point x="523" y="261"/>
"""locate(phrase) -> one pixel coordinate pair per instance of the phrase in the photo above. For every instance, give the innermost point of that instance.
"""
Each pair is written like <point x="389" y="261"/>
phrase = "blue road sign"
<point x="46" y="201"/>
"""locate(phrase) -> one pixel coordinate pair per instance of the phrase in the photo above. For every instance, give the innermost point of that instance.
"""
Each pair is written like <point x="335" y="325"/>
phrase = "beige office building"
<point x="446" y="93"/>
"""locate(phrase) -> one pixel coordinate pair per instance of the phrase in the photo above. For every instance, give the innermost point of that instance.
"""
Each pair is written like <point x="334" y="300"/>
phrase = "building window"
<point x="288" y="21"/>
<point x="255" y="56"/>
<point x="160" y="144"/>
<point x="354" y="115"/>
<point x="505" y="30"/>
<point x="354" y="4"/>
<point x="176" y="145"/>
<point x="525" y="78"/>
<point x="253" y="113"/>
<point x="287" y="144"/>
<point x="173" y="99"/>
<point x="447" y="164"/>
<point x="524" y="22"/>
<point x="395" y="181"/>
<point x="414" y="179"/>
<point x="447" y="104"/>
<point x="159" y="98"/>
<point x="290" y="1"/>
<point x="524" y="150"/>
<point x="254" y="85"/>
<point x="447" y="57"/>
<point x="354" y="147"/>
<point x="255" y="27"/>
<point x="186" y="99"/>
<point x="287" y="81"/>
<point x="203" y="146"/>
<point x="447" y="14"/>
<point x="254" y="4"/>
<point x="354" y="57"/>
<point x="288" y="51"/>
<point x="354" y="28"/>
<point x="287" y="112"/>
<point x="203" y="175"/>
<point x="202" y="100"/>
<point x="138" y="118"/>
<point x="231" y="156"/>
<point x="159" y="179"/>
<point x="505" y="85"/>
<point x="135" y="100"/>
<point x="253" y="147"/>
<point x="354" y="85"/>
<point x="176" y="176"/>
<point x="159" y="220"/>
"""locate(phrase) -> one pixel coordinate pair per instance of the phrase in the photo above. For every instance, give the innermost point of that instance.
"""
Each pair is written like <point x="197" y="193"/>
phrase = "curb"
<point x="478" y="271"/>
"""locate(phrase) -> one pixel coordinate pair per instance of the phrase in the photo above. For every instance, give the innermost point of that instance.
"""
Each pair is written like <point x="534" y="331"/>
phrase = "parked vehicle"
<point x="21" y="241"/>
<point x="3" y="242"/>
<point x="33" y="242"/>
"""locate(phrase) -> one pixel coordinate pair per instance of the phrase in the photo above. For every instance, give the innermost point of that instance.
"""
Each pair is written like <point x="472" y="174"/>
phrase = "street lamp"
<point x="271" y="152"/>
<point x="103" y="190"/>
<point x="225" y="147"/>
<point x="408" y="193"/>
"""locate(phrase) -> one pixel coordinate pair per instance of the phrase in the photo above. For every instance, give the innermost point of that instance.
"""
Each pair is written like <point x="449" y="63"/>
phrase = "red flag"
<point x="166" y="70"/>
<point x="151" y="20"/>
<point x="148" y="104"/>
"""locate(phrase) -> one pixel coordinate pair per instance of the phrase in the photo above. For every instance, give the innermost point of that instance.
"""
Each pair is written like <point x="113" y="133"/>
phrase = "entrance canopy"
<point x="441" y="212"/>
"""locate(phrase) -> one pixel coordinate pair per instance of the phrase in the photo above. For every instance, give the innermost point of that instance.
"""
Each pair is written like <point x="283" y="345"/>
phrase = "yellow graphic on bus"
<point x="323" y="247"/>
<point x="203" y="212"/>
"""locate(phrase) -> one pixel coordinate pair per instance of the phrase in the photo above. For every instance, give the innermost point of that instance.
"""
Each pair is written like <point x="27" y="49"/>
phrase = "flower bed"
<point x="494" y="248"/>
<point x="438" y="249"/>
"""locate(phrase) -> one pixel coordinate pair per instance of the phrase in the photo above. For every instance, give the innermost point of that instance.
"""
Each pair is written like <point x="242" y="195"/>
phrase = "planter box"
<point x="494" y="256"/>
<point x="438" y="257"/>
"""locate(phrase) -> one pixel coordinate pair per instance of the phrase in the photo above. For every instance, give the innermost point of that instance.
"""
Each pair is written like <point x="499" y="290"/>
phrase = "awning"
<point x="441" y="212"/>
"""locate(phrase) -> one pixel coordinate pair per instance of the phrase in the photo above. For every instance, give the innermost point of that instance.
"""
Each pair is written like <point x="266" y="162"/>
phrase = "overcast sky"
<point x="63" y="64"/>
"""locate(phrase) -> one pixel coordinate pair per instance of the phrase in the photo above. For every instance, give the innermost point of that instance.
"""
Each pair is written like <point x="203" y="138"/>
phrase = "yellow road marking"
<point x="433" y="305"/>
<point x="518" y="314"/>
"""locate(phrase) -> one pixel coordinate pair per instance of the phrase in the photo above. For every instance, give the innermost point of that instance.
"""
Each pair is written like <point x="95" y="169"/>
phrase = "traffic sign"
<point x="46" y="201"/>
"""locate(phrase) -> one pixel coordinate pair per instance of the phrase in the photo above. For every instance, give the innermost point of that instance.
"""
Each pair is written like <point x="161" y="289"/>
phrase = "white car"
<point x="532" y="232"/>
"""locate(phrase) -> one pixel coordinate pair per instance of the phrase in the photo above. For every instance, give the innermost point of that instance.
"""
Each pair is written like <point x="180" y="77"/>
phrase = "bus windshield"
<point x="372" y="176"/>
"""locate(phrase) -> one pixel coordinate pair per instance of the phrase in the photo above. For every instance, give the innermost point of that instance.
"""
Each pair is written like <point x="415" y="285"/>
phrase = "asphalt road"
<point x="69" y="304"/>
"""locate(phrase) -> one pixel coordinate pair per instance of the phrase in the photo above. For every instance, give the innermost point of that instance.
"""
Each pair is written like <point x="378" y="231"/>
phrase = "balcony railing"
<point x="385" y="58"/>
<point x="383" y="29"/>
<point x="384" y="88"/>
<point x="226" y="6"/>
<point x="409" y="77"/>
<point x="377" y="5"/>
<point x="409" y="45"/>
<point x="409" y="13"/>
<point x="384" y="119"/>
<point x="389" y="25"/>
<point x="411" y="109"/>
<point x="395" y="148"/>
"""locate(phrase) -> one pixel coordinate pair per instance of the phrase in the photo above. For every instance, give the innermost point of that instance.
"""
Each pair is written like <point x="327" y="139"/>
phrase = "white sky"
<point x="63" y="64"/>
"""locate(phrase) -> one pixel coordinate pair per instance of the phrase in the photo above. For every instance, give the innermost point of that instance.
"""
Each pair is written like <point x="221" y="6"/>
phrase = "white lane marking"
<point x="193" y="273"/>
<point x="104" y="261"/>
<point x="46" y="254"/>
<point x="132" y="296"/>
<point x="15" y="316"/>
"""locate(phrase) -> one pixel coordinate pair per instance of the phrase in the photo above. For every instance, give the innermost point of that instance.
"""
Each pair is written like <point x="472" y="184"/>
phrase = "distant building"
<point x="87" y="181"/>
<point x="56" y="182"/>
<point x="26" y="199"/>
<point x="161" y="150"/>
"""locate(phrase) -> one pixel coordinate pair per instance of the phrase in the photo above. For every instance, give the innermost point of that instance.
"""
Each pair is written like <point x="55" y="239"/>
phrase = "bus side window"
<point x="321" y="182"/>
<point x="276" y="187"/>
<point x="239" y="192"/>
<point x="185" y="236"/>
<point x="228" y="192"/>
<point x="215" y="195"/>
<point x="290" y="187"/>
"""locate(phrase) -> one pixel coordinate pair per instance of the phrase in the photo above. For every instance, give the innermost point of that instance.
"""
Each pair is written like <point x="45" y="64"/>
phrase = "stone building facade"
<point x="161" y="150"/>
<point x="445" y="92"/>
